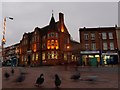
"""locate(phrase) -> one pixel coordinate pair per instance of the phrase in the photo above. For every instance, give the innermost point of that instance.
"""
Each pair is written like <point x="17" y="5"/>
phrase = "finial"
<point x="52" y="13"/>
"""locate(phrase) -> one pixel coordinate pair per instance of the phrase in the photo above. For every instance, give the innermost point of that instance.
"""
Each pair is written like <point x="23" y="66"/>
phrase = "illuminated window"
<point x="52" y="54"/>
<point x="62" y="28"/>
<point x="37" y="57"/>
<point x="56" y="55"/>
<point x="49" y="55"/>
<point x="34" y="48"/>
<point x="65" y="56"/>
<point x="48" y="44"/>
<point x="72" y="57"/>
<point x="56" y="44"/>
<point x="52" y="44"/>
<point x="33" y="57"/>
<point x="43" y="56"/>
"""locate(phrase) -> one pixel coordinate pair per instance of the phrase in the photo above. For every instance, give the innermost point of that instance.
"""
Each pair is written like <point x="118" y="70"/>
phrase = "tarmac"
<point x="105" y="77"/>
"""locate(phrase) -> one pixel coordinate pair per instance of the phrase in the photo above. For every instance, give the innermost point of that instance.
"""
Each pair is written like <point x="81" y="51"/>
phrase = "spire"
<point x="52" y="24"/>
<point x="52" y="13"/>
<point x="52" y="21"/>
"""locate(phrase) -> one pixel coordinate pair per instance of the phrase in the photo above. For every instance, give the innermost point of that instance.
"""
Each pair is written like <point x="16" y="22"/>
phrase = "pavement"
<point x="106" y="77"/>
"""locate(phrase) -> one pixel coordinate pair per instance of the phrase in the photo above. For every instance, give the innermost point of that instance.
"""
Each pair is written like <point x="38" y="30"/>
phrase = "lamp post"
<point x="3" y="39"/>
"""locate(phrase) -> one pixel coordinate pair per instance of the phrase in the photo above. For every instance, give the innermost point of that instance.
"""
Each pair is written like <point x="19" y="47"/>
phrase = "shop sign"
<point x="88" y="52"/>
<point x="109" y="53"/>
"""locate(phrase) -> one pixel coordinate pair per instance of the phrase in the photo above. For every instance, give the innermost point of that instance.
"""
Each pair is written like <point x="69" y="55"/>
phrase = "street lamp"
<point x="3" y="39"/>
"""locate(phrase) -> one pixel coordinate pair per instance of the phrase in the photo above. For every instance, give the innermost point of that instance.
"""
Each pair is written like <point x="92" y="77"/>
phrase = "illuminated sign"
<point x="89" y="52"/>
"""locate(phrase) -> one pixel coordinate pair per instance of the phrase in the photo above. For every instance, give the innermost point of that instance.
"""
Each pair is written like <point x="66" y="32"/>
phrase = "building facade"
<point x="11" y="54"/>
<point x="99" y="46"/>
<point x="50" y="45"/>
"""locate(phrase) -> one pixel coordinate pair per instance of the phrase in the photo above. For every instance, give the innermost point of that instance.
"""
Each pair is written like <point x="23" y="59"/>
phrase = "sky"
<point x="28" y="15"/>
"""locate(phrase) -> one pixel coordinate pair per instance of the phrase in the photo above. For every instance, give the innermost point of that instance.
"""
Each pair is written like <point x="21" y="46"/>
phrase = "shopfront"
<point x="90" y="58"/>
<point x="110" y="58"/>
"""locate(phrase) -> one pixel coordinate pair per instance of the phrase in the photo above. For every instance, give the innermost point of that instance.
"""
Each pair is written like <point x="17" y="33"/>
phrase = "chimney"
<point x="61" y="18"/>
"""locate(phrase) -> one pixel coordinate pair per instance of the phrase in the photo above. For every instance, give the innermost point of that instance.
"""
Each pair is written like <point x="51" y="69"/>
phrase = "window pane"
<point x="43" y="56"/>
<point x="110" y="35"/>
<point x="104" y="36"/>
<point x="33" y="57"/>
<point x="105" y="46"/>
<point x="48" y="55"/>
<point x="36" y="56"/>
<point x="111" y="46"/>
<point x="52" y="54"/>
<point x="92" y="36"/>
<point x="86" y="46"/>
<point x="86" y="36"/>
<point x="93" y="46"/>
<point x="65" y="56"/>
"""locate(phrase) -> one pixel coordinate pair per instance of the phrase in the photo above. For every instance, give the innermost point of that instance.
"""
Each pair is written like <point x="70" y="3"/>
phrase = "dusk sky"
<point x="77" y="15"/>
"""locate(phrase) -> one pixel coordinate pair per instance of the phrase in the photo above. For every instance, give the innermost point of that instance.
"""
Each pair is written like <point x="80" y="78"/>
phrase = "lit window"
<point x="52" y="44"/>
<point x="111" y="46"/>
<point x="62" y="28"/>
<point x="34" y="48"/>
<point x="65" y="56"/>
<point x="110" y="35"/>
<point x="43" y="56"/>
<point x="37" y="57"/>
<point x="56" y="44"/>
<point x="49" y="55"/>
<point x="56" y="55"/>
<point x="48" y="44"/>
<point x="52" y="54"/>
<point x="33" y="57"/>
<point x="72" y="57"/>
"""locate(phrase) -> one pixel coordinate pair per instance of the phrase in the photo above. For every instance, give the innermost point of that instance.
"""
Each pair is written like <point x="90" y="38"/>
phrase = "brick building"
<point x="50" y="45"/>
<point x="99" y="46"/>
